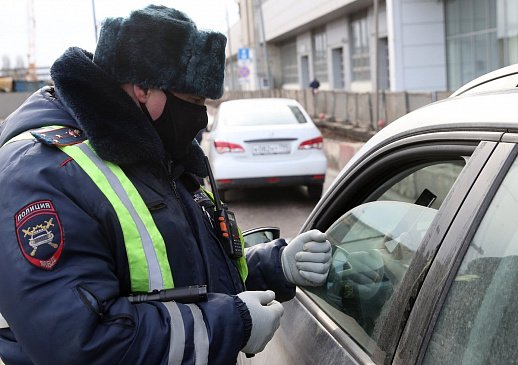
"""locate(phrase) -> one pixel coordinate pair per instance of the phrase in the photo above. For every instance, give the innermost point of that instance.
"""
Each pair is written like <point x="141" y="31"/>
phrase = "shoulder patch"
<point x="40" y="234"/>
<point x="60" y="136"/>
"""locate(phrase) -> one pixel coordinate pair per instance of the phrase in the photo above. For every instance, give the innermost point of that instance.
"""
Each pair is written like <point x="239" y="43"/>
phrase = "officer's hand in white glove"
<point x="307" y="258"/>
<point x="266" y="316"/>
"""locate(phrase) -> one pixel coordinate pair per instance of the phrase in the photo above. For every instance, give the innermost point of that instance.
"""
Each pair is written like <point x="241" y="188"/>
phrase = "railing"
<point x="349" y="108"/>
<point x="339" y="108"/>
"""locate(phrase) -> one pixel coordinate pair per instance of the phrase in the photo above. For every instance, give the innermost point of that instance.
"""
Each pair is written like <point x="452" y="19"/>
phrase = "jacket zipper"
<point x="172" y="185"/>
<point x="230" y="265"/>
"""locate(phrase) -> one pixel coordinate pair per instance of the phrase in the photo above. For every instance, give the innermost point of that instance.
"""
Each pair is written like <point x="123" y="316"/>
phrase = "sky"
<point x="60" y="24"/>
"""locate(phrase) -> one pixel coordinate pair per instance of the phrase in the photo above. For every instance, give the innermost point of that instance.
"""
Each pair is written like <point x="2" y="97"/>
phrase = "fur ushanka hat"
<point x="161" y="48"/>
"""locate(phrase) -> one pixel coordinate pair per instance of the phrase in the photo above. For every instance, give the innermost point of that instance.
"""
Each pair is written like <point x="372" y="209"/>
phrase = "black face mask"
<point x="178" y="125"/>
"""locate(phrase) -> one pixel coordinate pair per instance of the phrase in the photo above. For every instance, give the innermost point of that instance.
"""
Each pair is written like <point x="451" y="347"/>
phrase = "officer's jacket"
<point x="64" y="277"/>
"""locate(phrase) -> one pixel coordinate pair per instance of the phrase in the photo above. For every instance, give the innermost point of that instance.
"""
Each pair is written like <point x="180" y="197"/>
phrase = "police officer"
<point x="99" y="178"/>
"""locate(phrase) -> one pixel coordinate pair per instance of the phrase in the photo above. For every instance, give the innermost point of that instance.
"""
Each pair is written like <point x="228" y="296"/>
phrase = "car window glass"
<point x="298" y="114"/>
<point x="477" y="324"/>
<point x="436" y="179"/>
<point x="252" y="114"/>
<point x="374" y="244"/>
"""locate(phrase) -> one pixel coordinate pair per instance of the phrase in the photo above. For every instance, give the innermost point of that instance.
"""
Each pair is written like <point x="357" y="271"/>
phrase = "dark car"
<point x="423" y="223"/>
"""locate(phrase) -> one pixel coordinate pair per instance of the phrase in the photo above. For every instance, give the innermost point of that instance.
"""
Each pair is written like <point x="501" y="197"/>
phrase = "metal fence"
<point x="341" y="107"/>
<point x="349" y="108"/>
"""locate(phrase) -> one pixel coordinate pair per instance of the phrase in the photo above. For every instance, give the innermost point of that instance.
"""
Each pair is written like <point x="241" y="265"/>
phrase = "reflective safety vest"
<point x="147" y="257"/>
<point x="145" y="247"/>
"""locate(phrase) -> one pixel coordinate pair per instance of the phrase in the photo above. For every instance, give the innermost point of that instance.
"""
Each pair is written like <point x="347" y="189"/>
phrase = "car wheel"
<point x="315" y="191"/>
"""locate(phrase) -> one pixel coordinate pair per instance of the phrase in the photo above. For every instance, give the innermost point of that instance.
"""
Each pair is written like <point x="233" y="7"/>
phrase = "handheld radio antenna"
<point x="225" y="222"/>
<point x="213" y="187"/>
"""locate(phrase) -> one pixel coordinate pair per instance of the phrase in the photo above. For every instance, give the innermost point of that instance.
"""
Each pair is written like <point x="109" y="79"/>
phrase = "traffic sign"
<point x="243" y="53"/>
<point x="244" y="71"/>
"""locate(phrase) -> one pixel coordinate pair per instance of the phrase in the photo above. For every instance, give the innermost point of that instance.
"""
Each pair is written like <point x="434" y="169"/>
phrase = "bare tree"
<point x="20" y="62"/>
<point x="6" y="63"/>
<point x="19" y="68"/>
<point x="6" y="66"/>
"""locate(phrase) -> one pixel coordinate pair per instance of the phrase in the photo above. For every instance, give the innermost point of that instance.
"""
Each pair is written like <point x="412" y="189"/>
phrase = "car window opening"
<point x="374" y="245"/>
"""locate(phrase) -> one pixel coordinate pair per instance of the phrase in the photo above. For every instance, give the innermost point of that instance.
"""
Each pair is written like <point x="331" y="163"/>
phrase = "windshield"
<point x="246" y="114"/>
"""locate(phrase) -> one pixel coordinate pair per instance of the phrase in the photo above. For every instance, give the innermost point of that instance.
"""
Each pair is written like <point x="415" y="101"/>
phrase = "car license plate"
<point x="270" y="148"/>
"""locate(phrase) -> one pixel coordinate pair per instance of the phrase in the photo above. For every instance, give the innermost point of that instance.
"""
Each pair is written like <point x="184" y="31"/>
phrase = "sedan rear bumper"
<point x="236" y="167"/>
<point x="270" y="181"/>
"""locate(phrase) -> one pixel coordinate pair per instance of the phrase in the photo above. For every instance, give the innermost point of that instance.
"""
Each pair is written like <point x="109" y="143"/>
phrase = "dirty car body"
<point x="425" y="246"/>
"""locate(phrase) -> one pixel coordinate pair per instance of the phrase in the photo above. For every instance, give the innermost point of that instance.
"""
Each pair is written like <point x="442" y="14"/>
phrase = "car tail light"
<point x="317" y="143"/>
<point x="224" y="147"/>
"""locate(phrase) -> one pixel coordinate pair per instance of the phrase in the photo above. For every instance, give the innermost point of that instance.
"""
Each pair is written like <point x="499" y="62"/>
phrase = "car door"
<point x="319" y="329"/>
<point x="466" y="310"/>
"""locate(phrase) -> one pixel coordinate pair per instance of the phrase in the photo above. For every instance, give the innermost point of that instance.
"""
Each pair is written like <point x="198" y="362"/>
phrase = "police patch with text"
<point x="40" y="234"/>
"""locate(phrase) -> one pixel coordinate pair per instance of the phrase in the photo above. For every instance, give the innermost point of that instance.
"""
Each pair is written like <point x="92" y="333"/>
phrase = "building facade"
<point x="415" y="45"/>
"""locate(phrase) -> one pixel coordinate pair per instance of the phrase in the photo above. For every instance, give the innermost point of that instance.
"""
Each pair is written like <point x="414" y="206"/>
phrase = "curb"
<point x="341" y="141"/>
<point x="339" y="152"/>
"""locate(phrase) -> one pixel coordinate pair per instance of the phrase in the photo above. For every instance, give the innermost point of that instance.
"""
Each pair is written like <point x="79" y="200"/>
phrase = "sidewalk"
<point x="339" y="152"/>
<point x="331" y="174"/>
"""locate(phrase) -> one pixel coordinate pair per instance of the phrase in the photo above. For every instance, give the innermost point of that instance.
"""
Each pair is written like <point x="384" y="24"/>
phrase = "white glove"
<point x="307" y="258"/>
<point x="266" y="316"/>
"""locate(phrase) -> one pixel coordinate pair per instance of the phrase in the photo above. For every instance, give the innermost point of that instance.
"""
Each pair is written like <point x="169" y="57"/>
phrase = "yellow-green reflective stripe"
<point x="154" y="234"/>
<point x="242" y="266"/>
<point x="138" y="268"/>
<point x="145" y="268"/>
<point x="28" y="135"/>
<point x="25" y="135"/>
<point x="145" y="247"/>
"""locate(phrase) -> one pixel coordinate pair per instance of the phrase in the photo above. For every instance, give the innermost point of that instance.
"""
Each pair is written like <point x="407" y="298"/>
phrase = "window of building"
<point x="360" y="60"/>
<point x="320" y="54"/>
<point x="289" y="62"/>
<point x="481" y="36"/>
<point x="507" y="31"/>
<point x="338" y="68"/>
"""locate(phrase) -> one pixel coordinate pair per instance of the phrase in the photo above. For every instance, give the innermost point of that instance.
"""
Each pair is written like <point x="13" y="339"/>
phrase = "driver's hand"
<point x="364" y="269"/>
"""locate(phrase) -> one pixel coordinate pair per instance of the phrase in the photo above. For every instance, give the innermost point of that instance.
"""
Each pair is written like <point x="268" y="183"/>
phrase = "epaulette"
<point x="59" y="136"/>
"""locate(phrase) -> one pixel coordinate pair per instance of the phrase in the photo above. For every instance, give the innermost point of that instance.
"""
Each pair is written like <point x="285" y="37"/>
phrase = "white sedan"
<point x="266" y="142"/>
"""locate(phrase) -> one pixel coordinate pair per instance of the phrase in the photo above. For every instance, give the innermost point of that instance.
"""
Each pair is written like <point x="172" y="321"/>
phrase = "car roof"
<point x="488" y="111"/>
<point x="501" y="79"/>
<point x="476" y="111"/>
<point x="486" y="103"/>
<point x="260" y="101"/>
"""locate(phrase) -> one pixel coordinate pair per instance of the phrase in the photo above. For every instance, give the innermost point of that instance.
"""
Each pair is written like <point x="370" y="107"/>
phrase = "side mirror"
<point x="260" y="235"/>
